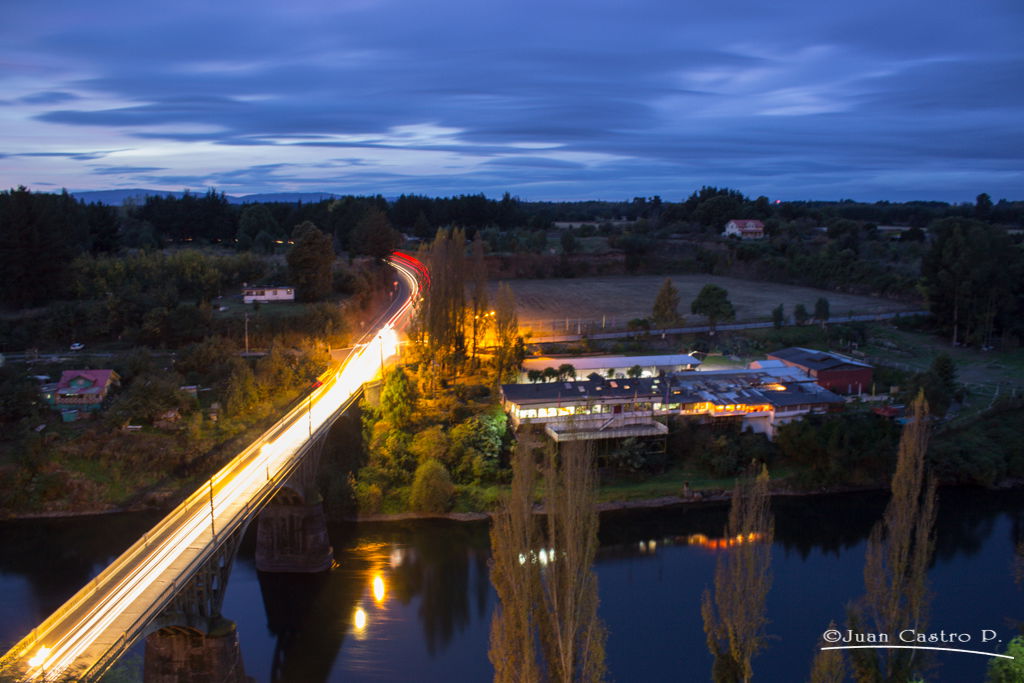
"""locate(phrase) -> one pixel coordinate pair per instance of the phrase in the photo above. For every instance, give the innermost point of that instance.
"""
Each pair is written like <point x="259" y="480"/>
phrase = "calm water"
<point x="430" y="617"/>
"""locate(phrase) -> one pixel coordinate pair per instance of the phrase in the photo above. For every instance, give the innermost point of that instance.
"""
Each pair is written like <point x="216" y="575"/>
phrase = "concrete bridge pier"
<point x="291" y="536"/>
<point x="178" y="654"/>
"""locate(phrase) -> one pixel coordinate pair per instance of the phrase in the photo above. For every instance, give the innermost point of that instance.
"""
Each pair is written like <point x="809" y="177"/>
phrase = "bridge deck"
<point x="99" y="622"/>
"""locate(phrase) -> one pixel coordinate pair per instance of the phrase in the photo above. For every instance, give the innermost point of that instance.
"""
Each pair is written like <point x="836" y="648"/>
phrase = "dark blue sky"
<point x="601" y="99"/>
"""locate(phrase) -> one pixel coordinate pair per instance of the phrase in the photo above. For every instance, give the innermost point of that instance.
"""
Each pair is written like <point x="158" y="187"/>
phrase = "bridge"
<point x="171" y="582"/>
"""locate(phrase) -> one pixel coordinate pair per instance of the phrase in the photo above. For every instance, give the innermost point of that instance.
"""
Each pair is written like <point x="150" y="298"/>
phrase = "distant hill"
<point x="118" y="197"/>
<point x="289" y="197"/>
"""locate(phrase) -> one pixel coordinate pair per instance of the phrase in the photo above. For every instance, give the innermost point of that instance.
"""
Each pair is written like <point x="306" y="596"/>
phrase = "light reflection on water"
<point x="424" y="589"/>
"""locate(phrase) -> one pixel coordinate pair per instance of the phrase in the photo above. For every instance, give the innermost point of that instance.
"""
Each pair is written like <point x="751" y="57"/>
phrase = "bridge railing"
<point x="120" y="570"/>
<point x="236" y="524"/>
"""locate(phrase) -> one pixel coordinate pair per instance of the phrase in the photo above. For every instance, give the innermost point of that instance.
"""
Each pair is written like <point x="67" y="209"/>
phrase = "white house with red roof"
<point x="81" y="389"/>
<point x="744" y="229"/>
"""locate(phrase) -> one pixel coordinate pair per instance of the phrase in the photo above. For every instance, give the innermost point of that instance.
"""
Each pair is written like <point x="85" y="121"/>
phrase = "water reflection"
<point x="432" y="623"/>
<point x="434" y="567"/>
<point x="435" y="564"/>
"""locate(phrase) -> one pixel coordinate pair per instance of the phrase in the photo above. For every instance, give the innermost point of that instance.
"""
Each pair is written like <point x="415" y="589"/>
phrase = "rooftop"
<point x="779" y="387"/>
<point x="585" y="363"/>
<point x="815" y="360"/>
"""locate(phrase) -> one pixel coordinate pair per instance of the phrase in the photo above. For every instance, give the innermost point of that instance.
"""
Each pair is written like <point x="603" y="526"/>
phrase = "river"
<point x="411" y="601"/>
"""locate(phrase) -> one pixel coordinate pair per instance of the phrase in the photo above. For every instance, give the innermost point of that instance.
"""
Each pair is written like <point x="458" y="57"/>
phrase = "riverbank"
<point x="696" y="497"/>
<point x="662" y="502"/>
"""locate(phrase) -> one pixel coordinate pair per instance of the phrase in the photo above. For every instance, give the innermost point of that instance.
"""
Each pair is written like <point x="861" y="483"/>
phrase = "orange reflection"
<point x="725" y="542"/>
<point x="378" y="588"/>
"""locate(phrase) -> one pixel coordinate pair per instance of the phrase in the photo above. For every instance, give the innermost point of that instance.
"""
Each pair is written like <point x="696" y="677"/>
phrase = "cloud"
<point x="124" y="170"/>
<point x="76" y="156"/>
<point x="550" y="98"/>
<point x="48" y="97"/>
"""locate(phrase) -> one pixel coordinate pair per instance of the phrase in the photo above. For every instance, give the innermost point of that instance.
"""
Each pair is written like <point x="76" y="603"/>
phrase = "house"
<point x="612" y="366"/>
<point x="82" y="390"/>
<point x="744" y="229"/>
<point x="598" y="408"/>
<point x="268" y="293"/>
<point x="832" y="371"/>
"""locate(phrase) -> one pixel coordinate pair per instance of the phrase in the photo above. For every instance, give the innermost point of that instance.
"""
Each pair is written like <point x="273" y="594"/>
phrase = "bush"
<point x="369" y="497"/>
<point x="432" y="488"/>
<point x="1008" y="670"/>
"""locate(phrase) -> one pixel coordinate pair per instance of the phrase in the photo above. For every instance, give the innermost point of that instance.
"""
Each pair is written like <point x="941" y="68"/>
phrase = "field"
<point x="610" y="302"/>
<point x="986" y="374"/>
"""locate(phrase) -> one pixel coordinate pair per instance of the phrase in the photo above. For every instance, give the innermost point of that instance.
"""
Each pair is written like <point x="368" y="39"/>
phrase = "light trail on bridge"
<point x="84" y="635"/>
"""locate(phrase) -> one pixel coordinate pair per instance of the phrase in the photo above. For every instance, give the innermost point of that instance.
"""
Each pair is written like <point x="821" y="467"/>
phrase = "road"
<point x="99" y="622"/>
<point x="704" y="328"/>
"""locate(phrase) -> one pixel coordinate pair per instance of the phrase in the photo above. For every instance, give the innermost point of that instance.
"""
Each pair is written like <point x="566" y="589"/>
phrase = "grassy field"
<point x="547" y="304"/>
<point x="985" y="373"/>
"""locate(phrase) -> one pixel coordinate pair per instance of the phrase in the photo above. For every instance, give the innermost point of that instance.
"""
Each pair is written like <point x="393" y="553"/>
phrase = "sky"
<point x="559" y="100"/>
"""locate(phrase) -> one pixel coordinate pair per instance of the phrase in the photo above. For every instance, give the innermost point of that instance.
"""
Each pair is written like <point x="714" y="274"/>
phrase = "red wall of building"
<point x="846" y="381"/>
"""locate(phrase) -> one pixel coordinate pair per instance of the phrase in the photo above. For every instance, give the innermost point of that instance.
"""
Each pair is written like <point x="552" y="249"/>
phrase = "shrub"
<point x="432" y="488"/>
<point x="369" y="497"/>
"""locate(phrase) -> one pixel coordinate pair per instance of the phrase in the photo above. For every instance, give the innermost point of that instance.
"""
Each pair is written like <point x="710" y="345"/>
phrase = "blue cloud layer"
<point x="872" y="100"/>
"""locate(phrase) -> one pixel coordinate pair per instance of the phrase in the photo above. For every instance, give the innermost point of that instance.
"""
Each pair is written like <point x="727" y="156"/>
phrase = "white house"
<point x="268" y="293"/>
<point x="744" y="229"/>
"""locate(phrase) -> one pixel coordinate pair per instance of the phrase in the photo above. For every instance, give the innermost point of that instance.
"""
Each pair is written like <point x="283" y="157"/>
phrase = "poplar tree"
<point x="478" y="294"/>
<point x="508" y="353"/>
<point x="516" y="577"/>
<point x="896" y="565"/>
<point x="546" y="626"/>
<point x="439" y="329"/>
<point x="828" y="665"/>
<point x="572" y="635"/>
<point x="735" y="614"/>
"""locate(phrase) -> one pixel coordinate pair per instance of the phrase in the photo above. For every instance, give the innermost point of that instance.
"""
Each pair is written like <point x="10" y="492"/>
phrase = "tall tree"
<point x="778" y="316"/>
<point x="310" y="262"/>
<point x="713" y="303"/>
<point x="516" y="576"/>
<point x="508" y="353"/>
<point x="899" y="550"/>
<point x="572" y="635"/>
<point x="374" y="236"/>
<point x="973" y="277"/>
<point x="478" y="294"/>
<point x="439" y="329"/>
<point x="828" y="665"/>
<point x="39" y="236"/>
<point x="734" y="616"/>
<point x="821" y="313"/>
<point x="983" y="206"/>
<point x="256" y="219"/>
<point x="666" y="305"/>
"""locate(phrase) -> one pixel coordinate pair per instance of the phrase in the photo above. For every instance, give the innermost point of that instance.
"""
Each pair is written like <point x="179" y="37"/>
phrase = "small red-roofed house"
<point x="81" y="389"/>
<point x="744" y="229"/>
